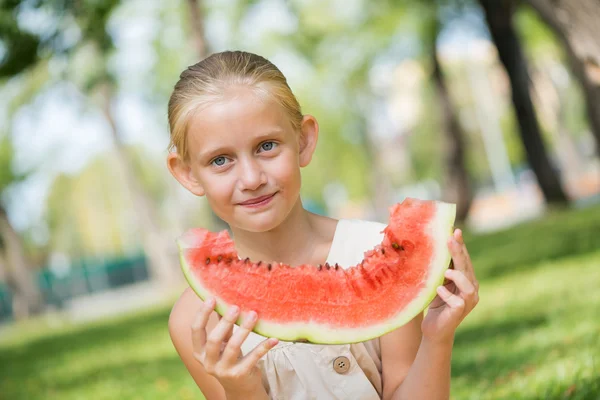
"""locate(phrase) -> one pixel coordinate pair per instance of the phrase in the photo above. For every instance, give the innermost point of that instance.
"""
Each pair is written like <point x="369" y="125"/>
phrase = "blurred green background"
<point x="493" y="105"/>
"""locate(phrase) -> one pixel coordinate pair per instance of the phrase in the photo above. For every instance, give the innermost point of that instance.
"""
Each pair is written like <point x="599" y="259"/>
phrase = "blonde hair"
<point x="206" y="82"/>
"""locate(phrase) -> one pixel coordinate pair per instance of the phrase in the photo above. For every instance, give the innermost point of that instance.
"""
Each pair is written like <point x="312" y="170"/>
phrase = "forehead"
<point x="241" y="115"/>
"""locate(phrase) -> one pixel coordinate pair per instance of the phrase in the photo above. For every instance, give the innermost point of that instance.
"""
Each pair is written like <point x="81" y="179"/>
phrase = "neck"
<point x="299" y="239"/>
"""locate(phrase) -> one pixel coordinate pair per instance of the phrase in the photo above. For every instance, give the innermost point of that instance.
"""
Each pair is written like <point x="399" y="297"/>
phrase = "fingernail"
<point x="210" y="302"/>
<point x="448" y="273"/>
<point x="251" y="316"/>
<point x="233" y="310"/>
<point x="273" y="341"/>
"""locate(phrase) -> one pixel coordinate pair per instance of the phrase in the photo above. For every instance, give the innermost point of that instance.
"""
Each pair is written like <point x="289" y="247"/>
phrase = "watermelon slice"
<point x="329" y="304"/>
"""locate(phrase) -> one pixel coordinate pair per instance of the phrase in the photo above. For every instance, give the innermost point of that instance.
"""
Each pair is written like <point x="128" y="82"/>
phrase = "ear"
<point x="309" y="133"/>
<point x="182" y="171"/>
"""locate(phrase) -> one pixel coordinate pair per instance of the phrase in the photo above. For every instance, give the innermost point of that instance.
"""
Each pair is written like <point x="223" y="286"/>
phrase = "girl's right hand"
<point x="220" y="352"/>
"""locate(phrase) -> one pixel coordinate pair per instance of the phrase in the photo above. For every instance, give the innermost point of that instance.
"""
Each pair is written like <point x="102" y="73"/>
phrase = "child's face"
<point x="245" y="157"/>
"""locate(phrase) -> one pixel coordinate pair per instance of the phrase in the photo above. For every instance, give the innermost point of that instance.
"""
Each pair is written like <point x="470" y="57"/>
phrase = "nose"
<point x="252" y="176"/>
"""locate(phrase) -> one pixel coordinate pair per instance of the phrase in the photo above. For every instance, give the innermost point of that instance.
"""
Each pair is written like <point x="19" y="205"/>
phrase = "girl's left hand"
<point x="456" y="298"/>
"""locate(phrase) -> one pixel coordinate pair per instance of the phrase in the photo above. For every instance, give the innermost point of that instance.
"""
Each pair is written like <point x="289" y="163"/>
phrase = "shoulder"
<point x="184" y="309"/>
<point x="182" y="316"/>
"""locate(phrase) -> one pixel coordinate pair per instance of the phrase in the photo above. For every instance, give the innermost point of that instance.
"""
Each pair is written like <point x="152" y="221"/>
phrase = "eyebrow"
<point x="209" y="153"/>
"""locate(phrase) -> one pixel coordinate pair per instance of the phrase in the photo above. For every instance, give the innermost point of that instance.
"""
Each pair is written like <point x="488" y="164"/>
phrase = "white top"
<point x="301" y="371"/>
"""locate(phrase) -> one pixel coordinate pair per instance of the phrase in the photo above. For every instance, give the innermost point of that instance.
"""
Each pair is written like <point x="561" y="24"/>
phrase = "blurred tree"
<point x="196" y="10"/>
<point x="162" y="265"/>
<point x="20" y="48"/>
<point x="19" y="276"/>
<point x="20" y="51"/>
<point x="498" y="14"/>
<point x="91" y="19"/>
<point x="456" y="184"/>
<point x="576" y="24"/>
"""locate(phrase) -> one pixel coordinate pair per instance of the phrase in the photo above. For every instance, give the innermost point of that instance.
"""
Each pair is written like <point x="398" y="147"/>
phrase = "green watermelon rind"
<point x="441" y="228"/>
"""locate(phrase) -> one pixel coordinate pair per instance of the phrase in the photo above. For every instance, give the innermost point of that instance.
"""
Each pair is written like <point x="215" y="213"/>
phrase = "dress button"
<point x="341" y="364"/>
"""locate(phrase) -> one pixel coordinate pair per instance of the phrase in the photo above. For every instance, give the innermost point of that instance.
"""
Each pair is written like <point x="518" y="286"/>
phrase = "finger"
<point x="199" y="324"/>
<point x="250" y="360"/>
<point x="228" y="334"/>
<point x="454" y="301"/>
<point x="219" y="335"/>
<point x="233" y="349"/>
<point x="458" y="235"/>
<point x="460" y="262"/>
<point x="450" y="266"/>
<point x="464" y="285"/>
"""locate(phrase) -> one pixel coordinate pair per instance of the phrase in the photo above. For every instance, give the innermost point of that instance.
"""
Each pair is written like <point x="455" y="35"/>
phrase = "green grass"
<point x="556" y="236"/>
<point x="127" y="358"/>
<point x="534" y="335"/>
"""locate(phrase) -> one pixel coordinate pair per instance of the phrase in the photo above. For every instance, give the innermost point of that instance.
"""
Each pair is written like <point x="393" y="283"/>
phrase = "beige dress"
<point x="300" y="371"/>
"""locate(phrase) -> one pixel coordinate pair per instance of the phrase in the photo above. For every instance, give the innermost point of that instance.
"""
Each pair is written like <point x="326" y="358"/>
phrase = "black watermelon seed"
<point x="258" y="264"/>
<point x="320" y="267"/>
<point x="269" y="267"/>
<point x="383" y="251"/>
<point x="395" y="245"/>
<point x="219" y="258"/>
<point x="208" y="261"/>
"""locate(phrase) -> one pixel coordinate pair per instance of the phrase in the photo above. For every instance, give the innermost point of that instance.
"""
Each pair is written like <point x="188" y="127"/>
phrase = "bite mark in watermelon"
<point x="329" y="304"/>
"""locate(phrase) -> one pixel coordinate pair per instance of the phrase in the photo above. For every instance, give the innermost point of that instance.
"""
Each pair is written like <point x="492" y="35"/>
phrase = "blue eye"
<point x="268" y="146"/>
<point x="219" y="161"/>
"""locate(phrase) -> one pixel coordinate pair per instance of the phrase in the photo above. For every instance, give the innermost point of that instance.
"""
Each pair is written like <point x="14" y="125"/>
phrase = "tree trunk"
<point x="457" y="185"/>
<point x="498" y="14"/>
<point x="197" y="25"/>
<point x="27" y="298"/>
<point x="161" y="265"/>
<point x="577" y="24"/>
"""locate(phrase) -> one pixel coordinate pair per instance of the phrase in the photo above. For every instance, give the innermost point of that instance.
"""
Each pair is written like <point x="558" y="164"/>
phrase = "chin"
<point x="262" y="222"/>
<point x="259" y="225"/>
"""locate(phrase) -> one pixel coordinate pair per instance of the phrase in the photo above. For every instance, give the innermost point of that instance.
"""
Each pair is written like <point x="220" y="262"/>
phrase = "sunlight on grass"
<point x="534" y="334"/>
<point x="127" y="358"/>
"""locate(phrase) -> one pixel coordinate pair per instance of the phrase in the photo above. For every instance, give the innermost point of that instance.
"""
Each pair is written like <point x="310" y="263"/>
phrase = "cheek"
<point x="286" y="172"/>
<point x="218" y="188"/>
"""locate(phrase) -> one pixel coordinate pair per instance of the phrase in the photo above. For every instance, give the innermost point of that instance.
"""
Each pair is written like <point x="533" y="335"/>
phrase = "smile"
<point x="258" y="201"/>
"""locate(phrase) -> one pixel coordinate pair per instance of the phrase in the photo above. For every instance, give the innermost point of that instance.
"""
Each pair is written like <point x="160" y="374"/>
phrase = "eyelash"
<point x="260" y="147"/>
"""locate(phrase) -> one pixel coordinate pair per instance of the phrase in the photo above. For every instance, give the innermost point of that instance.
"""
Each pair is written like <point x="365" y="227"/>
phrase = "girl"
<point x="240" y="140"/>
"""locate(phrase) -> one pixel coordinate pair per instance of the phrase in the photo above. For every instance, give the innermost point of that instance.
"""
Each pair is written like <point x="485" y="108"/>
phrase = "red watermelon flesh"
<point x="329" y="304"/>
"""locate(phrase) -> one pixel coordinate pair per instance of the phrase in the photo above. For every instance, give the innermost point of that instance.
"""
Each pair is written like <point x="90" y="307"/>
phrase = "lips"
<point x="257" y="200"/>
